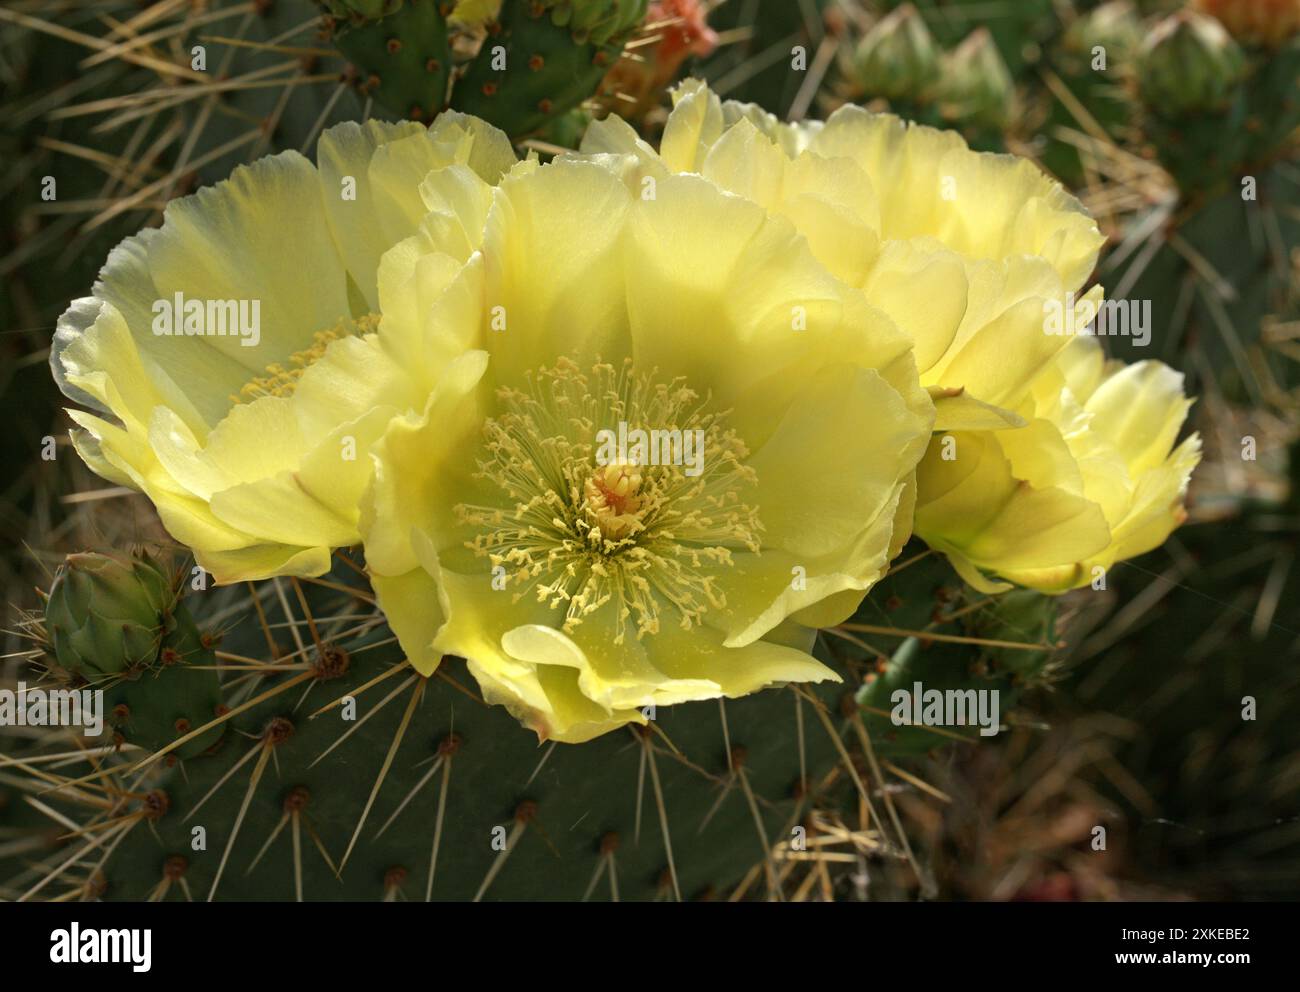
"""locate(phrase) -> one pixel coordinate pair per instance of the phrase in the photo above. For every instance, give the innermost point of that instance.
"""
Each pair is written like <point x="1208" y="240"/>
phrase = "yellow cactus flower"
<point x="229" y="355"/>
<point x="968" y="252"/>
<point x="1093" y="477"/>
<point x="665" y="444"/>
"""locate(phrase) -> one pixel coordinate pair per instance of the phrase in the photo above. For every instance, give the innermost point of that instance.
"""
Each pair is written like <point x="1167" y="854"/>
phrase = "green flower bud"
<point x="568" y="47"/>
<point x="106" y="615"/>
<point x="898" y="59"/>
<point x="1188" y="64"/>
<point x="977" y="87"/>
<point x="1113" y="27"/>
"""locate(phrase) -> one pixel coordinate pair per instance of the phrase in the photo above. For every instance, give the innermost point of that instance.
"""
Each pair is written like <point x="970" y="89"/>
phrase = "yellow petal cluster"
<point x="1094" y="477"/>
<point x="965" y="251"/>
<point x="982" y="260"/>
<point x="585" y="580"/>
<point x="227" y="356"/>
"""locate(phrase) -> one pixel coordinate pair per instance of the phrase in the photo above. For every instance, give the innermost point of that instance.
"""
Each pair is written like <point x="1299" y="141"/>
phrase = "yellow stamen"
<point x="281" y="379"/>
<point x="578" y="534"/>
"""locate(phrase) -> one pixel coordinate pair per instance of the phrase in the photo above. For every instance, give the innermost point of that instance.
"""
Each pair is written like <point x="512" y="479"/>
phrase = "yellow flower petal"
<point x="1089" y="480"/>
<point x="253" y="443"/>
<point x="963" y="250"/>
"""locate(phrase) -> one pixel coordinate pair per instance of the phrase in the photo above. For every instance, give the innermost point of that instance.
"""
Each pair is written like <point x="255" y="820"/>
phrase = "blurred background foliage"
<point x="1180" y="136"/>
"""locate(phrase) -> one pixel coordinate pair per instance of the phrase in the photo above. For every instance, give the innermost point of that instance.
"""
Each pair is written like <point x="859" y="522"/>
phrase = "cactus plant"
<point x="375" y="783"/>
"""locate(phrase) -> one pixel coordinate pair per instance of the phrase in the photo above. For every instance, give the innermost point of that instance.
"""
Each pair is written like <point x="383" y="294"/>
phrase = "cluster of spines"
<point x="355" y="787"/>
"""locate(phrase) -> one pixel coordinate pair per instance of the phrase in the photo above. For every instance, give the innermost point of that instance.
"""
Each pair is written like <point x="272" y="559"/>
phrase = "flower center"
<point x="281" y="378"/>
<point x="616" y="488"/>
<point x="612" y="500"/>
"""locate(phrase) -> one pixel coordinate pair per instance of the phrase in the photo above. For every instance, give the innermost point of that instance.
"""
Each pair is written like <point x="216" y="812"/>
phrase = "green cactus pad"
<point x="164" y="703"/>
<point x="577" y="803"/>
<point x="542" y="60"/>
<point x="404" y="57"/>
<point x="937" y="658"/>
